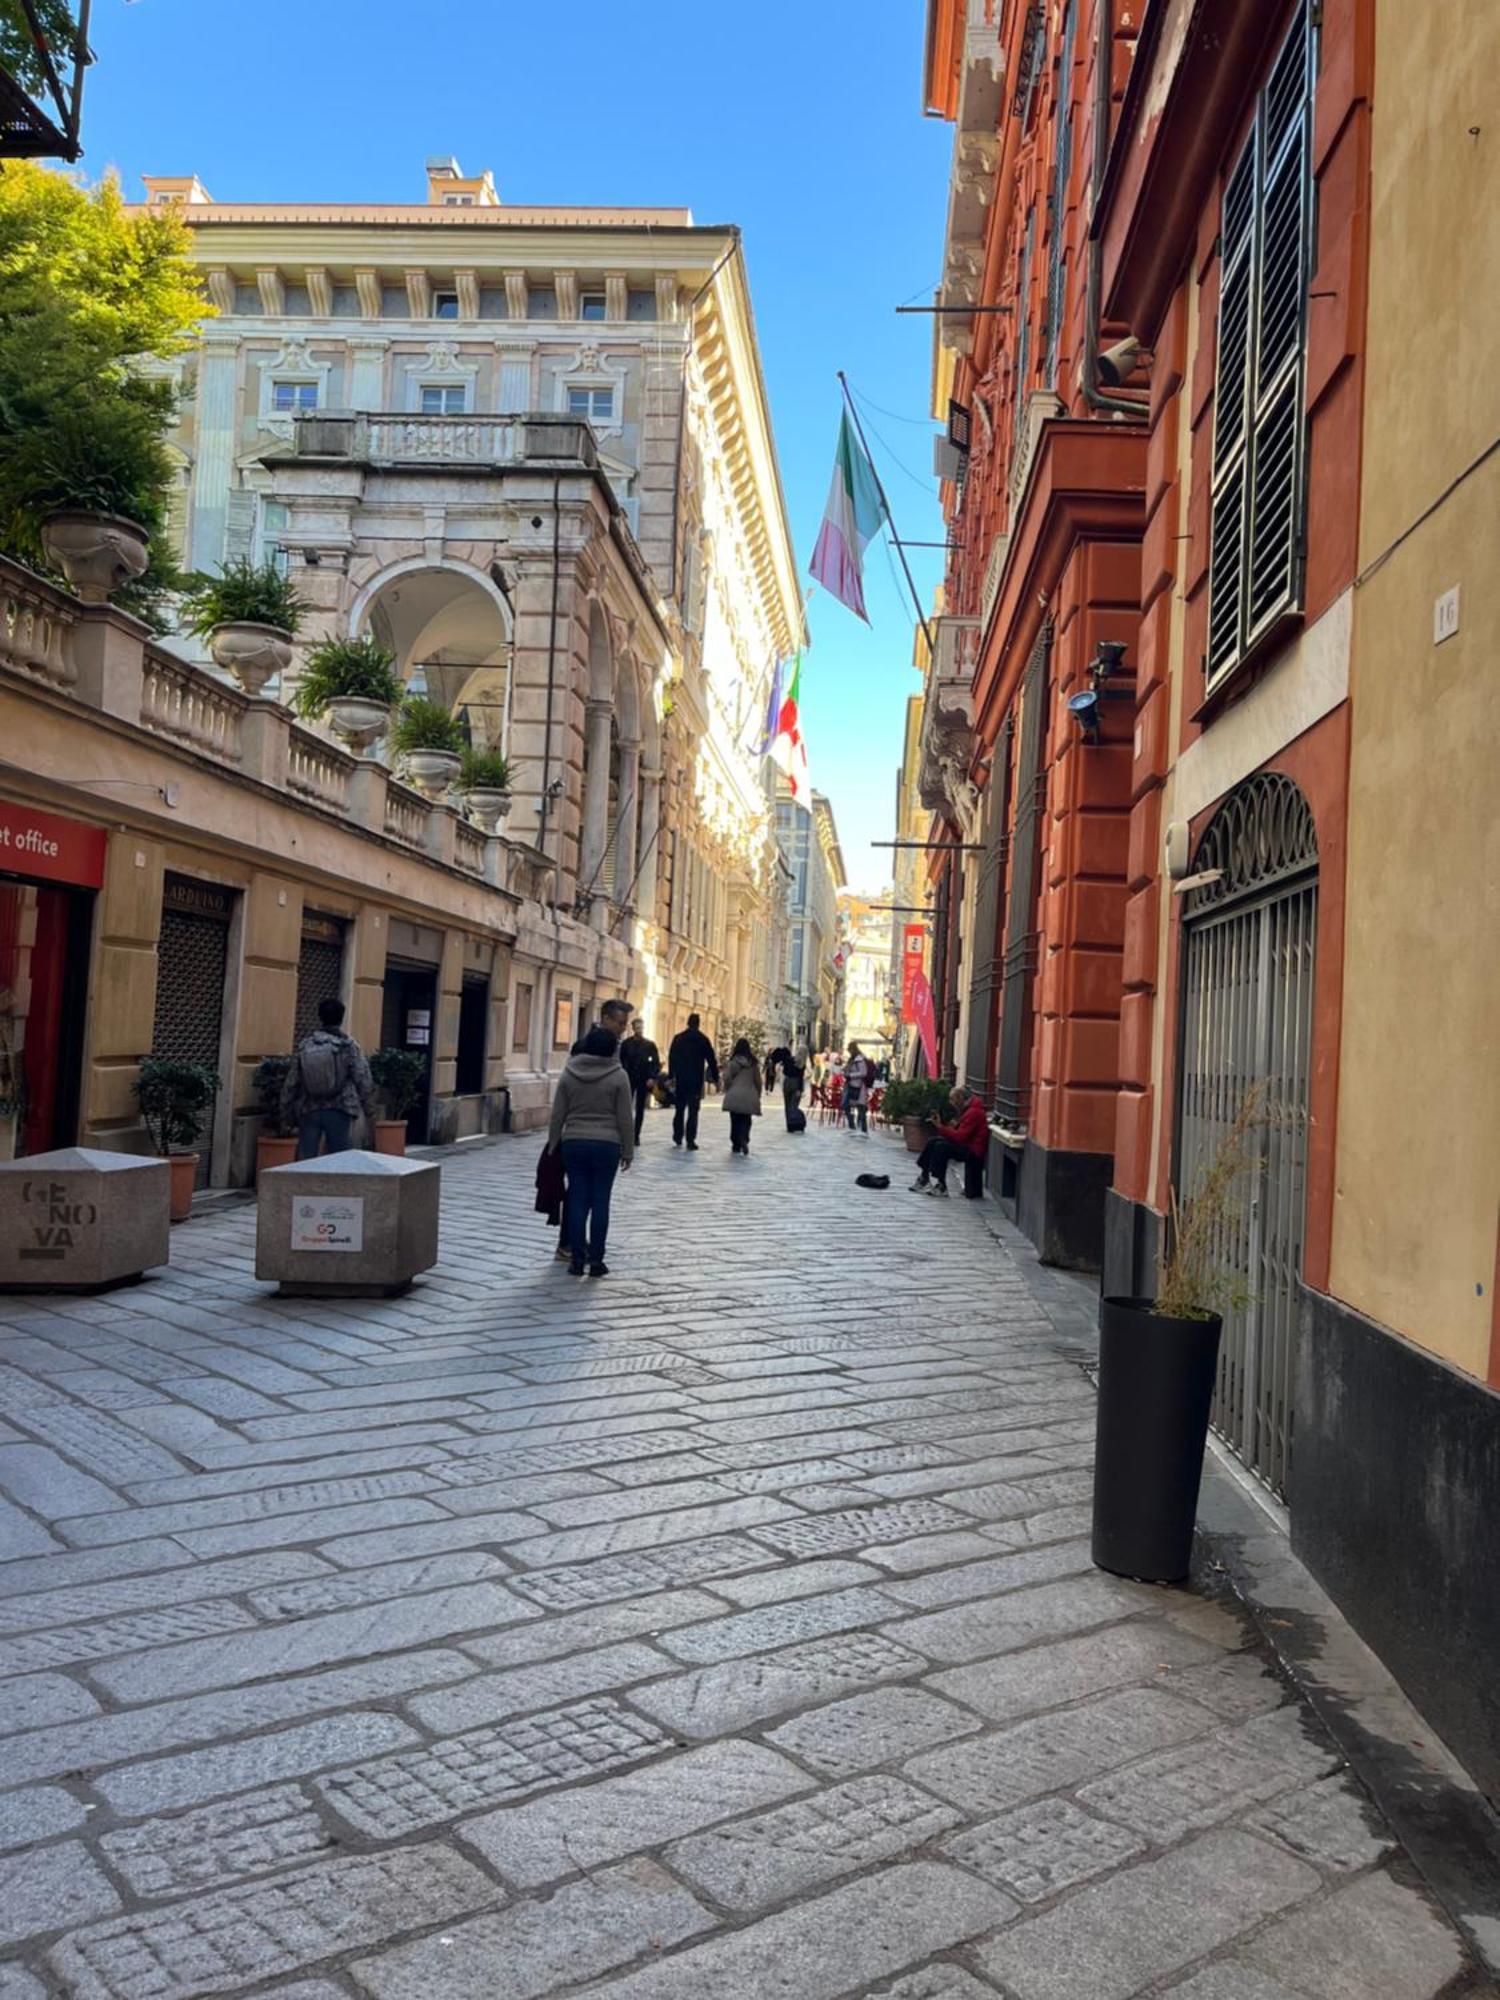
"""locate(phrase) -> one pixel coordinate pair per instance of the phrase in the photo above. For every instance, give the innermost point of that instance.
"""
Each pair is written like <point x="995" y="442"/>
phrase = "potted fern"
<point x="430" y="742"/>
<point x="276" y="1142"/>
<point x="913" y="1103"/>
<point x="1158" y="1359"/>
<point x="93" y="475"/>
<point x="249" y="616"/>
<point x="484" y="783"/>
<point x="175" y="1099"/>
<point x="354" y="683"/>
<point x="398" y="1075"/>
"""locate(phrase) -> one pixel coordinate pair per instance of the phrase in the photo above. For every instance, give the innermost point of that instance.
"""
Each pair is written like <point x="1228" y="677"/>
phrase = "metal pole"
<point x="934" y="846"/>
<point x="906" y="566"/>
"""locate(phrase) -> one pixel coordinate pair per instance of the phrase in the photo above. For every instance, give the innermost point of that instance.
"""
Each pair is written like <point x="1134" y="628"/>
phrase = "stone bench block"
<point x="348" y="1225"/>
<point x="82" y="1220"/>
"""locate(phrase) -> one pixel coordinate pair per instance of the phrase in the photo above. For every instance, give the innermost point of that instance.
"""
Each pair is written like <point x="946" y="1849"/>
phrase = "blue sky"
<point x="802" y="123"/>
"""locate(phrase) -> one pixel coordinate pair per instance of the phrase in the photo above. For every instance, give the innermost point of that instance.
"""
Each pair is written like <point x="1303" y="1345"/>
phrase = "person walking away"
<point x="593" y="1127"/>
<point x="741" y="1095"/>
<point x="327" y="1086"/>
<point x="793" y="1075"/>
<point x="642" y="1063"/>
<point x="967" y="1138"/>
<point x="690" y="1059"/>
<point x="859" y="1073"/>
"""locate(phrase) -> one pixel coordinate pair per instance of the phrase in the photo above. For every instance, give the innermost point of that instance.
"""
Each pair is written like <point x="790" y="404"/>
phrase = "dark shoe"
<point x="675" y="1140"/>
<point x="575" y="1269"/>
<point x="598" y="1270"/>
<point x="692" y="1145"/>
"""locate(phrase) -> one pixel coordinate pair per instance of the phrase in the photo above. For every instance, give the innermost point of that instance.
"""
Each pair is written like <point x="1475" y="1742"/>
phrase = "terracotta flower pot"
<point x="184" y="1178"/>
<point x="432" y="771"/>
<point x="390" y="1135"/>
<point x="96" y="552"/>
<point x="917" y="1134"/>
<point x="252" y="652"/>
<point x="273" y="1151"/>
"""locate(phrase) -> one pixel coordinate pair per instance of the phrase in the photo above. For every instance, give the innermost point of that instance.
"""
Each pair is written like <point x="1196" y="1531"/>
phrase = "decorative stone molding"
<point x="666" y="295"/>
<point x="466" y="284"/>
<point x="367" y="286"/>
<point x="419" y="294"/>
<point x="319" y="291"/>
<point x="272" y="289"/>
<point x="616" y="295"/>
<point x="294" y="362"/>
<point x="1039" y="407"/>
<point x="441" y="364"/>
<point x="566" y="285"/>
<point x="947" y="752"/>
<point x="220" y="289"/>
<point x="515" y="294"/>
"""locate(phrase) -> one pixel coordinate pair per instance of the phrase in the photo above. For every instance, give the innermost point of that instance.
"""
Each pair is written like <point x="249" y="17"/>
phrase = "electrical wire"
<point x="924" y="484"/>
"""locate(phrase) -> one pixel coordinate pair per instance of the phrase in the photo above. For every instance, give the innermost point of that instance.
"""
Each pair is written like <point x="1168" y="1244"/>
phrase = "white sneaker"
<point x="939" y="1190"/>
<point x="920" y="1186"/>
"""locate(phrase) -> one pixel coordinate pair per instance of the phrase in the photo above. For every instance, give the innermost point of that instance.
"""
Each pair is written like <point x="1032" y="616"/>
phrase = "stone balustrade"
<point x="318" y="771"/>
<point x="35" y="629"/>
<point x="190" y="706"/>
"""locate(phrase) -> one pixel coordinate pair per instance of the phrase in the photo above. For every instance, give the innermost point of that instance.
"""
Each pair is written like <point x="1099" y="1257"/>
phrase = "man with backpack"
<point x="328" y="1085"/>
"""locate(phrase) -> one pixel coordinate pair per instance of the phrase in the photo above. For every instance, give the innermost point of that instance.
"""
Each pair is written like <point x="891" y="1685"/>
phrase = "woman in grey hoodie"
<point x="593" y="1120"/>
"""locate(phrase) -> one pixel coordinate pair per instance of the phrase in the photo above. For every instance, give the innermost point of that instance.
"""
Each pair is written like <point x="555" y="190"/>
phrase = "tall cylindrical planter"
<point x="1156" y="1385"/>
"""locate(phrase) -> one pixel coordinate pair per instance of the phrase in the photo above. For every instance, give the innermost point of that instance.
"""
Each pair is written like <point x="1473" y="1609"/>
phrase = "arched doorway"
<point x="1247" y="996"/>
<point x="450" y="633"/>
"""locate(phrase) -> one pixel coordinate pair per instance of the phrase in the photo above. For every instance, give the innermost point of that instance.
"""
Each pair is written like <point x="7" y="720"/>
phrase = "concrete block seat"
<point x="348" y="1225"/>
<point x="82" y="1220"/>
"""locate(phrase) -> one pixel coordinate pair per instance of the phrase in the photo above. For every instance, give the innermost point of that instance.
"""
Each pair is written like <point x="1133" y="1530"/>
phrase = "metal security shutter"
<point x="320" y="971"/>
<point x="1058" y="206"/>
<point x="1260" y="432"/>
<point x="192" y="960"/>
<point x="1013" y="1084"/>
<point x="988" y="972"/>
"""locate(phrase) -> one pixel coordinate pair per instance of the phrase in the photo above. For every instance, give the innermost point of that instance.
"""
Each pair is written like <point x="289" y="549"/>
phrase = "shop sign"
<point x="913" y="948"/>
<point x="55" y="1220"/>
<point x="191" y="898"/>
<point x="52" y="848"/>
<point x="336" y="1222"/>
<point x="320" y="929"/>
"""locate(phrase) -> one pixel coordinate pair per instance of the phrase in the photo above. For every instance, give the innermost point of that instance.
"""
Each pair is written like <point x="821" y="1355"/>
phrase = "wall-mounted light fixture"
<point x="1084" y="709"/>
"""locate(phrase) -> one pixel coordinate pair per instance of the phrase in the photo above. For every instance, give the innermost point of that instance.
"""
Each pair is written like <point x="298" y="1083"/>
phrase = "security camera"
<point x="1117" y="363"/>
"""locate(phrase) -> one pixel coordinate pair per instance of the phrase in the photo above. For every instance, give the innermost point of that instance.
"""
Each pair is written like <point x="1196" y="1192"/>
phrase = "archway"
<point x="450" y="630"/>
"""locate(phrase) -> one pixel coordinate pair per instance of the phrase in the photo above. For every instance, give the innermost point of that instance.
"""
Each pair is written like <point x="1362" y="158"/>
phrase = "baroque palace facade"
<point x="530" y="452"/>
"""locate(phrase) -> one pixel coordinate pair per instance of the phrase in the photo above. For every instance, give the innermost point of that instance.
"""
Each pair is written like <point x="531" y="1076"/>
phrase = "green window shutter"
<point x="239" y="526"/>
<point x="1260" y="432"/>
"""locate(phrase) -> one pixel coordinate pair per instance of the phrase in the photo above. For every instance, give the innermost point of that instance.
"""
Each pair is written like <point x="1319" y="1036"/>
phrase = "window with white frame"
<point x="593" y="305"/>
<point x="445" y="305"/>
<point x="1259" y="495"/>
<point x="272" y="524"/>
<point x="293" y="396"/>
<point x="444" y="399"/>
<point x="597" y="405"/>
<point x="458" y="201"/>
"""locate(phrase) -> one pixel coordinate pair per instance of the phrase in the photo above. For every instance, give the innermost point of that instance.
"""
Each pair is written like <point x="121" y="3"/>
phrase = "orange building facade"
<point x="1151" y="354"/>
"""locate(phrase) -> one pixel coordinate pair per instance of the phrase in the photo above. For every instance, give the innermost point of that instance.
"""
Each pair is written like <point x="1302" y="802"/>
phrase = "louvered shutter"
<point x="1060" y="178"/>
<point x="239" y="526"/>
<point x="1023" y="328"/>
<point x="1259" y="428"/>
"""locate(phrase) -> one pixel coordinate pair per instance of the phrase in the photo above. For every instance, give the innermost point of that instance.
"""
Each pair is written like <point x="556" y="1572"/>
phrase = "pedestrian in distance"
<point x="966" y="1139"/>
<point x="327" y="1086"/>
<point x="614" y="1018"/>
<point x="793" y="1068"/>
<point x="642" y="1062"/>
<point x="690" y="1060"/>
<point x="741" y="1095"/>
<point x="859" y="1074"/>
<point x="592" y="1124"/>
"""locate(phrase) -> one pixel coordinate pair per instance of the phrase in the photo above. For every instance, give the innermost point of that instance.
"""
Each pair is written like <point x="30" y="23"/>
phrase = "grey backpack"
<point x="323" y="1067"/>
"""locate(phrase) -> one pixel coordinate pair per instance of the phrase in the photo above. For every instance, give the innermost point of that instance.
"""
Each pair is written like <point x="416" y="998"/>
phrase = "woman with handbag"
<point x="741" y="1095"/>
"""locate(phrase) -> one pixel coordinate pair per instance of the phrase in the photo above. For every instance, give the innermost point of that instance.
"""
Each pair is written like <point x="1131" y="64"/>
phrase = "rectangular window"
<point x="473" y="1034"/>
<point x="294" y="395"/>
<point x="562" y="1021"/>
<point x="597" y="405"/>
<point x="1058" y="206"/>
<point x="445" y="305"/>
<point x="592" y="306"/>
<point x="541" y="302"/>
<point x="520" y="1020"/>
<point x="458" y="201"/>
<point x="444" y="399"/>
<point x="640" y="305"/>
<point x="1260" y="431"/>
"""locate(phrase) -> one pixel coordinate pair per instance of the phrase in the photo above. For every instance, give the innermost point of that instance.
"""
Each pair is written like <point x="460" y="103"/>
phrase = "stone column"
<point x="626" y="853"/>
<point x="595" y="796"/>
<point x="650" y="855"/>
<point x="214" y="441"/>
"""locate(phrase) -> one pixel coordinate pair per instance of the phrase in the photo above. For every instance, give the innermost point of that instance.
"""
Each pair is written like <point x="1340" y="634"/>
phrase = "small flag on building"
<point x="850" y="519"/>
<point x="788" y="750"/>
<point x="773" y="715"/>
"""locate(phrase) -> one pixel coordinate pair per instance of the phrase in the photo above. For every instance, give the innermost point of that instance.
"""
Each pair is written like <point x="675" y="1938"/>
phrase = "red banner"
<point x="926" y="1020"/>
<point x="53" y="849"/>
<point x="913" y="949"/>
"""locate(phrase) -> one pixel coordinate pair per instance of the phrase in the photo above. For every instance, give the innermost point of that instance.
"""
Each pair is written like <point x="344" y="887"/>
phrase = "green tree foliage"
<point x="87" y="293"/>
<point x="58" y="21"/>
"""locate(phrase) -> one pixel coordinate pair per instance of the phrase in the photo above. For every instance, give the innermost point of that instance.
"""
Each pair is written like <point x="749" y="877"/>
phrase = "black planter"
<point x="1156" y="1383"/>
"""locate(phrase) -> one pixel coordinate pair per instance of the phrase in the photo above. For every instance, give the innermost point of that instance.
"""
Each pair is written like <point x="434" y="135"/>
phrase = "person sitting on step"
<point x="966" y="1139"/>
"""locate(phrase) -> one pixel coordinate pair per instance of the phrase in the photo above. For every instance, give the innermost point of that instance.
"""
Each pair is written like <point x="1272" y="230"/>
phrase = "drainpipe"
<point x="1093" y="395"/>
<point x="551" y="662"/>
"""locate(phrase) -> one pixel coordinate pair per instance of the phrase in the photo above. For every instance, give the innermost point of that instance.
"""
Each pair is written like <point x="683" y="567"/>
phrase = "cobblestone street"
<point x="724" y="1628"/>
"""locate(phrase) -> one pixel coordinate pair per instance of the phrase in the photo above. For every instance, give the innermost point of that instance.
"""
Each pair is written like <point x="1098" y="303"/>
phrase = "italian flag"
<point x="788" y="751"/>
<point x="850" y="520"/>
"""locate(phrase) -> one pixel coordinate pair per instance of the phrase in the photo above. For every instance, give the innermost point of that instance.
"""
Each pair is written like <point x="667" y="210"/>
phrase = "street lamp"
<point x="44" y="50"/>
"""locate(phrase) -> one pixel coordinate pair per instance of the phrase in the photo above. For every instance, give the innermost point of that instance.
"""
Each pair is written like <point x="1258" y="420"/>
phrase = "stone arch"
<point x="450" y="627"/>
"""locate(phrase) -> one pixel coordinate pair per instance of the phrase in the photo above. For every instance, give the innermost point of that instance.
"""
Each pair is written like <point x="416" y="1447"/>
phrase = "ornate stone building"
<point x="529" y="450"/>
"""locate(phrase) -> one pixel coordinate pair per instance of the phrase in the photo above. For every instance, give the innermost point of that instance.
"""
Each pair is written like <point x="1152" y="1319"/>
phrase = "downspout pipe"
<point x="1093" y="395"/>
<point x="546" y="799"/>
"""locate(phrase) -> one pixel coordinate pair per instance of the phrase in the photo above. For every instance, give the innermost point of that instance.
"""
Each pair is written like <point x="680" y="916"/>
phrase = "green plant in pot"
<point x="354" y="683"/>
<point x="94" y="474"/>
<point x="914" y="1103"/>
<point x="484" y="784"/>
<point x="176" y="1101"/>
<point x="429" y="742"/>
<point x="399" y="1075"/>
<point x="276" y="1143"/>
<point x="1158" y="1359"/>
<point x="249" y="615"/>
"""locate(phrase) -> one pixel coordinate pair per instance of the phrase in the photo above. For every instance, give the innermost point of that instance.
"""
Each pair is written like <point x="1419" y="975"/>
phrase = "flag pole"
<point x="889" y="521"/>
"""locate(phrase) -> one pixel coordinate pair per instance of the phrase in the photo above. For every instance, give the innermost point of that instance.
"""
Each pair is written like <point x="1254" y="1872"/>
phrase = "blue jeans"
<point x="314" y="1126"/>
<point x="591" y="1166"/>
<point x="857" y="1106"/>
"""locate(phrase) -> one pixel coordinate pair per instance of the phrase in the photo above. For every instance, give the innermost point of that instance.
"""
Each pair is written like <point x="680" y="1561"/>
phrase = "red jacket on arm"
<point x="972" y="1131"/>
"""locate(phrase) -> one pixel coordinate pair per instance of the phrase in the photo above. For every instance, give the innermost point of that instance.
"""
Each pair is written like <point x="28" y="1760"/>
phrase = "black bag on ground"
<point x="872" y="1180"/>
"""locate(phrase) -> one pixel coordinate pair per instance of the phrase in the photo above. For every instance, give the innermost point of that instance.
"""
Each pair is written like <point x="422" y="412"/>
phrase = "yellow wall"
<point x="1418" y="1160"/>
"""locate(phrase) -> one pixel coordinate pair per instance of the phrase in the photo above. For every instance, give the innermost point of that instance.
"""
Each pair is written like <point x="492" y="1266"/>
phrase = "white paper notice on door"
<point x="336" y="1222"/>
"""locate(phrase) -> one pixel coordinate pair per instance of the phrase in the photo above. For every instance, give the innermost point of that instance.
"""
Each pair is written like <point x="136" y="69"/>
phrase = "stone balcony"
<point x="399" y="440"/>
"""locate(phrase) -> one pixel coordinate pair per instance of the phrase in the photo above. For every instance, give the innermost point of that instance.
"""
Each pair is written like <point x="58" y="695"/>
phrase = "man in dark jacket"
<point x="327" y="1086"/>
<point x="690" y="1058"/>
<point x="642" y="1061"/>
